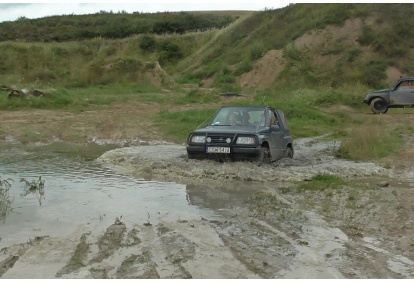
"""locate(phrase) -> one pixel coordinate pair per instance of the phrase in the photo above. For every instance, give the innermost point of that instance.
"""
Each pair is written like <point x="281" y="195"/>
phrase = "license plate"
<point x="218" y="149"/>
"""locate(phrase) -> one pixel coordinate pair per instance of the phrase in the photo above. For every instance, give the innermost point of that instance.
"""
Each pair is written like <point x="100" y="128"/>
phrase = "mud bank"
<point x="168" y="162"/>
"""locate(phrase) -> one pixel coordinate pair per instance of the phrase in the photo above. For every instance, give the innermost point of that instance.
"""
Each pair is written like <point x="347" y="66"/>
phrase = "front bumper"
<point x="235" y="152"/>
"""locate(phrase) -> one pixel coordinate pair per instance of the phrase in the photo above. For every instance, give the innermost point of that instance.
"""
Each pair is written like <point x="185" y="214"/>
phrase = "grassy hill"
<point x="322" y="44"/>
<point x="311" y="60"/>
<point x="319" y="44"/>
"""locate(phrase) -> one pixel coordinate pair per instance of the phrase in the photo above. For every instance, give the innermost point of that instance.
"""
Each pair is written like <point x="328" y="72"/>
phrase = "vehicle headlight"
<point x="245" y="140"/>
<point x="198" y="139"/>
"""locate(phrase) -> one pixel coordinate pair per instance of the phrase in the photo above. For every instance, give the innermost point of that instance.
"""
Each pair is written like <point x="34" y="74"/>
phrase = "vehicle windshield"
<point x="239" y="116"/>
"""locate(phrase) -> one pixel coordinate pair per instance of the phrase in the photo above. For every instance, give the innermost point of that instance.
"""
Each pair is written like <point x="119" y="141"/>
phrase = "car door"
<point x="403" y="94"/>
<point x="278" y="143"/>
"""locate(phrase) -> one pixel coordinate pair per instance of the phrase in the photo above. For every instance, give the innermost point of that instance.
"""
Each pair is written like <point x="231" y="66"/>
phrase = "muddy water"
<point x="81" y="195"/>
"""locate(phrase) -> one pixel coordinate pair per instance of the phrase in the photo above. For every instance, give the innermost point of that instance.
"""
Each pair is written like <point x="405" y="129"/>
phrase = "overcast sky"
<point x="39" y="9"/>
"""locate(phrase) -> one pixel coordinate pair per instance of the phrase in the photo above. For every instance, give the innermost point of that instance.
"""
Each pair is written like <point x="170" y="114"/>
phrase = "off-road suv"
<point x="400" y="95"/>
<point x="258" y="133"/>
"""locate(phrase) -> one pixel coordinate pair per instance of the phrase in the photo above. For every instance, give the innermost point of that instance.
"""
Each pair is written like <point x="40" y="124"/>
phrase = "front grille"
<point x="220" y="138"/>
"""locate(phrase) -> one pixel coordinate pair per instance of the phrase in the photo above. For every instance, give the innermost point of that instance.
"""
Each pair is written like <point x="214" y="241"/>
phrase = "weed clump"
<point x="5" y="201"/>
<point x="34" y="187"/>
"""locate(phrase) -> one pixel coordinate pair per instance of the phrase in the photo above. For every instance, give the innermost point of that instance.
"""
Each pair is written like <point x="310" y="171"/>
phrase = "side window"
<point x="283" y="119"/>
<point x="402" y="85"/>
<point x="273" y="119"/>
<point x="263" y="120"/>
<point x="406" y="85"/>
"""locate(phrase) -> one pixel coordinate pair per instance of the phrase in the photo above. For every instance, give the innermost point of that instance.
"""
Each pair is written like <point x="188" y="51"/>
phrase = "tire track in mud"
<point x="42" y="254"/>
<point x="94" y="256"/>
<point x="269" y="236"/>
<point x="12" y="254"/>
<point x="167" y="250"/>
<point x="377" y="222"/>
<point x="276" y="239"/>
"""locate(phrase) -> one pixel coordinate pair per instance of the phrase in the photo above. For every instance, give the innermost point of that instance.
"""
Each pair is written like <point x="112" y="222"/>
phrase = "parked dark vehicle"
<point x="400" y="95"/>
<point x="257" y="133"/>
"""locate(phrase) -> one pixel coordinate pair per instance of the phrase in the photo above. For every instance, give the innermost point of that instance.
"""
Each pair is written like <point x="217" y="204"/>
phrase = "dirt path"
<point x="263" y="226"/>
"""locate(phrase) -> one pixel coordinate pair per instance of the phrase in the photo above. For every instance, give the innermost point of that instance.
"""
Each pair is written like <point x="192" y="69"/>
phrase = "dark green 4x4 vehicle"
<point x="258" y="133"/>
<point x="400" y="95"/>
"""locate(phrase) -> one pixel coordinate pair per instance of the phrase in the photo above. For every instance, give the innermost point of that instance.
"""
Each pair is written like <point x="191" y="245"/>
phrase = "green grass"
<point x="309" y="112"/>
<point x="322" y="182"/>
<point x="79" y="99"/>
<point x="177" y="125"/>
<point x="371" y="141"/>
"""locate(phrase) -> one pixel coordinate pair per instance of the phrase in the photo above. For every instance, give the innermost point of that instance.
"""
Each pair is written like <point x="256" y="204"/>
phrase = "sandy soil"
<point x="265" y="227"/>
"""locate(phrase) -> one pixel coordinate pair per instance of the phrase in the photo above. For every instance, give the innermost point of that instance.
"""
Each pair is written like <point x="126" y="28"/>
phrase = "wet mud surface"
<point x="264" y="225"/>
<point x="313" y="156"/>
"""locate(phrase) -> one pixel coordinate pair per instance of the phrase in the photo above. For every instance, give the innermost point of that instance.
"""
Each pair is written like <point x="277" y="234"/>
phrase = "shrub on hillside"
<point x="148" y="43"/>
<point x="169" y="52"/>
<point x="244" y="67"/>
<point x="373" y="73"/>
<point x="367" y="36"/>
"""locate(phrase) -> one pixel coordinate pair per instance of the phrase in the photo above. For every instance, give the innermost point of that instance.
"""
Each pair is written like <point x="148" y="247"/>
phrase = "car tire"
<point x="263" y="157"/>
<point x="289" y="152"/>
<point x="379" y="106"/>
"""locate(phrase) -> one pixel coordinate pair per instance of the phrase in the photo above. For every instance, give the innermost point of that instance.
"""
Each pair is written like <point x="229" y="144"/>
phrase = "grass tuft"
<point x="370" y="141"/>
<point x="322" y="182"/>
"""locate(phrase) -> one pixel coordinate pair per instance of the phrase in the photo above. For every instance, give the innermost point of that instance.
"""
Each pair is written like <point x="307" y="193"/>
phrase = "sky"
<point x="14" y="10"/>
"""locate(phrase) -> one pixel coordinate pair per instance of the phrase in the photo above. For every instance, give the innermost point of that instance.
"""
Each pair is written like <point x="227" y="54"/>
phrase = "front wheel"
<point x="289" y="152"/>
<point x="379" y="106"/>
<point x="263" y="157"/>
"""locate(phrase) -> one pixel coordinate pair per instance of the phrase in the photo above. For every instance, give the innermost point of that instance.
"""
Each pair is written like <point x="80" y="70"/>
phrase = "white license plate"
<point x="218" y="149"/>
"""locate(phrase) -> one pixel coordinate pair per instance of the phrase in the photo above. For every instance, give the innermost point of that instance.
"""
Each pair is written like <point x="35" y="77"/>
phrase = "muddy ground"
<point x="265" y="225"/>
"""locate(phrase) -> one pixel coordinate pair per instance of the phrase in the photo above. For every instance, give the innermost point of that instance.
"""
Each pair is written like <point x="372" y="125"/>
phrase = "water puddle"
<point x="81" y="195"/>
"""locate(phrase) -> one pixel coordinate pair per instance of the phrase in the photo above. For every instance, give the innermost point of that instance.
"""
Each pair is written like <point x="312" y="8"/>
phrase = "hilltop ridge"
<point x="311" y="44"/>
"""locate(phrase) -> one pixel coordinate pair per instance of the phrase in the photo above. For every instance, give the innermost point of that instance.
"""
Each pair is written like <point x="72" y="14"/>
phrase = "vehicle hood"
<point x="231" y="129"/>
<point x="380" y="91"/>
